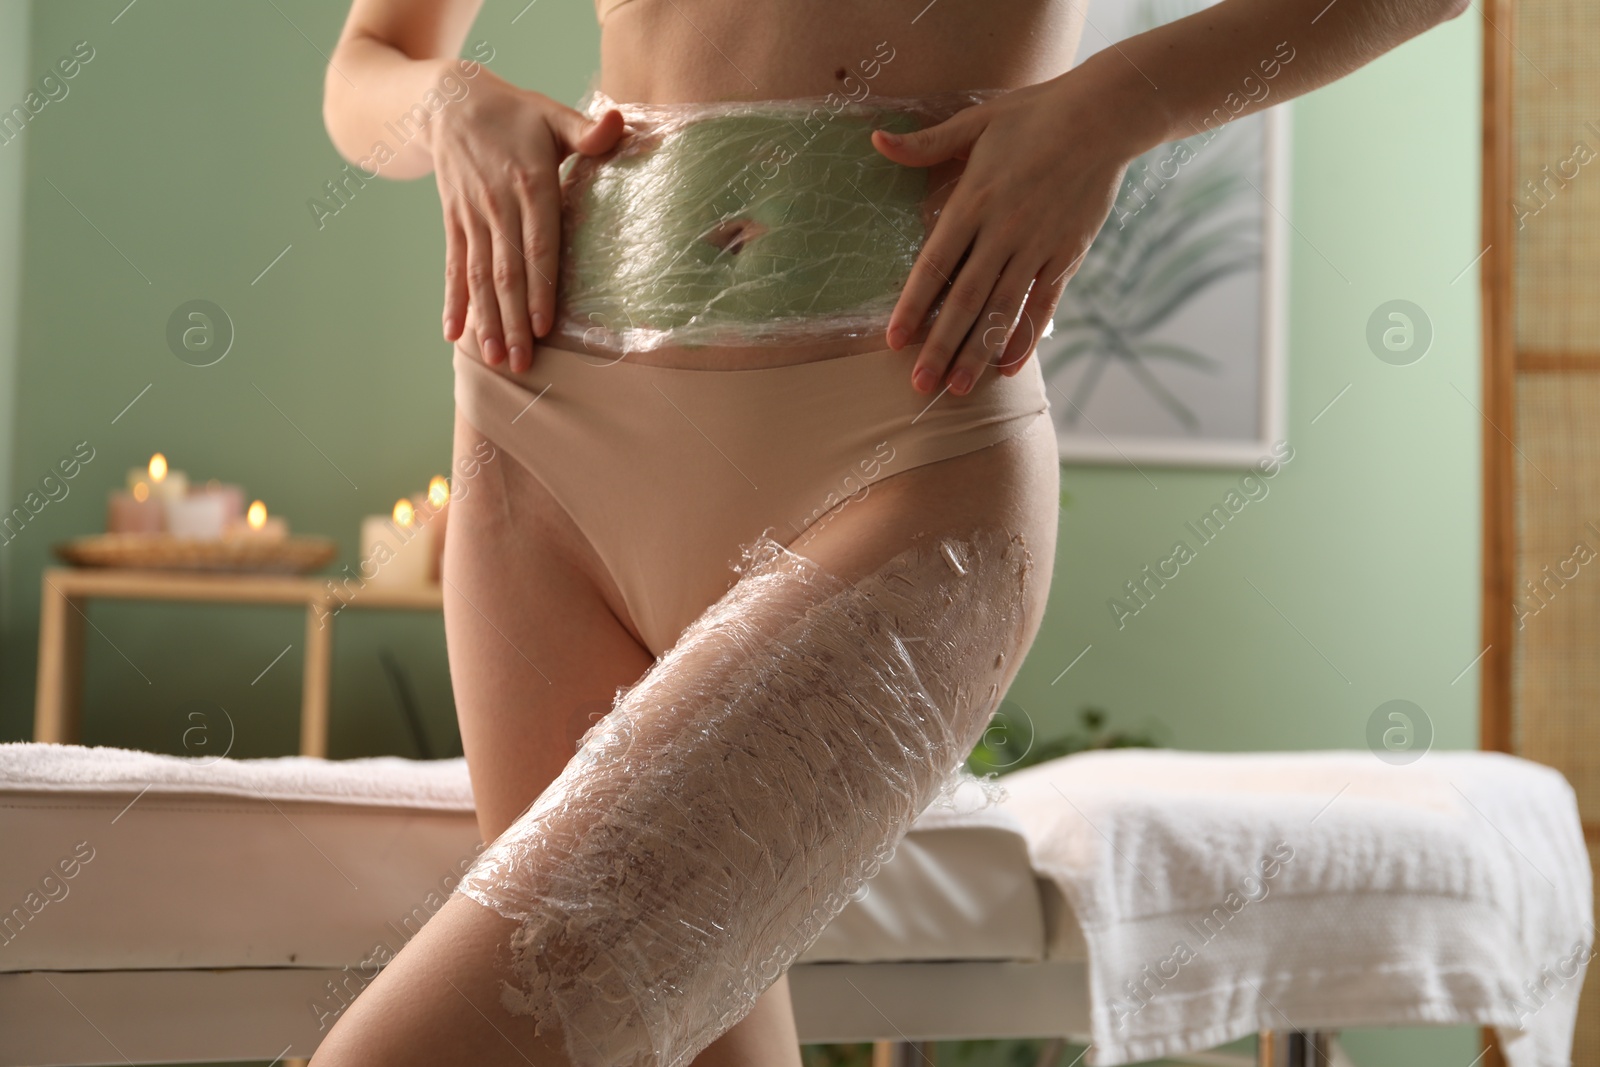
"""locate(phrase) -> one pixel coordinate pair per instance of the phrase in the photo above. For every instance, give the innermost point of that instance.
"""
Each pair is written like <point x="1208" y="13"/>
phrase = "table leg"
<point x="1053" y="1052"/>
<point x="59" y="690"/>
<point x="903" y="1053"/>
<point x="318" y="671"/>
<point x="1294" y="1048"/>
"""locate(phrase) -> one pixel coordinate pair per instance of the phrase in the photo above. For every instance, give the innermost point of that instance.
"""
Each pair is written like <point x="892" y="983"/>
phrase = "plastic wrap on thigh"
<point x="726" y="809"/>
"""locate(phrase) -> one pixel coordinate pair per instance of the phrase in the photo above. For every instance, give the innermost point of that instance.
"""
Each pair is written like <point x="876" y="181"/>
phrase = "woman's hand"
<point x="496" y="153"/>
<point x="1044" y="164"/>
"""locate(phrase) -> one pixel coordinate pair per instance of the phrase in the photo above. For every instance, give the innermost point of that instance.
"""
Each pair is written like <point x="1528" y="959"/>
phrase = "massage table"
<point x="227" y="909"/>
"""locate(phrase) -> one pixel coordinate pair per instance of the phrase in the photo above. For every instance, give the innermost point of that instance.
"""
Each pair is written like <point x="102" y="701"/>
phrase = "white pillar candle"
<point x="393" y="549"/>
<point x="432" y="510"/>
<point x="232" y="497"/>
<point x="202" y="516"/>
<point x="163" y="483"/>
<point x="175" y="486"/>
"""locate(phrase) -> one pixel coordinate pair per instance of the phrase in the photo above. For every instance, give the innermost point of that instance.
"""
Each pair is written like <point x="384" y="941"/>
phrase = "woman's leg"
<point x="439" y="999"/>
<point x="536" y="656"/>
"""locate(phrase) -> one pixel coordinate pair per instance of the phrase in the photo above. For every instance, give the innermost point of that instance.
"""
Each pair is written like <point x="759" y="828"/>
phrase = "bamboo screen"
<point x="1555" y="311"/>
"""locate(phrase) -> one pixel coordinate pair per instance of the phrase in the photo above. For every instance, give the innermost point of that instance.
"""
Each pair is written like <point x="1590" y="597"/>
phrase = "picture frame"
<point x="1169" y="343"/>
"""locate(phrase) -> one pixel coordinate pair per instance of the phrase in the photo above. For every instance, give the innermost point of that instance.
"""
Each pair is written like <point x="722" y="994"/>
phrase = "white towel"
<point x="388" y="781"/>
<point x="385" y="781"/>
<point x="1224" y="894"/>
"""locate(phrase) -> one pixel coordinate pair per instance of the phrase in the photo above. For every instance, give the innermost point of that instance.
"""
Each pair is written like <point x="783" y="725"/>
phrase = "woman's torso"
<point x="681" y="51"/>
<point x="697" y="51"/>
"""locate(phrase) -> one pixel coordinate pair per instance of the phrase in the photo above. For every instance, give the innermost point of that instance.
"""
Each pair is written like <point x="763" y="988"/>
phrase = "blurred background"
<point x="187" y="160"/>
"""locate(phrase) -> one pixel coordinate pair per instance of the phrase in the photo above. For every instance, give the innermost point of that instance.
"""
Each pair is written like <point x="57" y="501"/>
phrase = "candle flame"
<point x="141" y="492"/>
<point x="404" y="513"/>
<point x="257" y="515"/>
<point x="158" y="467"/>
<point x="438" y="491"/>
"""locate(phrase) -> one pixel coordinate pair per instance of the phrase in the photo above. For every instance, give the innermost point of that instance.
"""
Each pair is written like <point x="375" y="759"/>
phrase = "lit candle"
<point x="134" y="511"/>
<point x="162" y="482"/>
<point x="257" y="525"/>
<point x="438" y="500"/>
<point x="393" y="549"/>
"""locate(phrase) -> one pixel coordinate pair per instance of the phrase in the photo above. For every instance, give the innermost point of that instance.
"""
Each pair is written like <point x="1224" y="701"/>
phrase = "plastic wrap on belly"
<point x="747" y="223"/>
<point x="734" y="799"/>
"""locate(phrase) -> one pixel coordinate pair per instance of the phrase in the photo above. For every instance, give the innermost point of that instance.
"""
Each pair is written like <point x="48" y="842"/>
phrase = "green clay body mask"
<point x="746" y="223"/>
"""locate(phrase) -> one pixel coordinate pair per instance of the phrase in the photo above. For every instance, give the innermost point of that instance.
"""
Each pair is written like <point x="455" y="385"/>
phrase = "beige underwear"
<point x="670" y="472"/>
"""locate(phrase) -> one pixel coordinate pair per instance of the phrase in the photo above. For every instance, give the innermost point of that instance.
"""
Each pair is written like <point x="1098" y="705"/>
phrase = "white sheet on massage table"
<point x="231" y="866"/>
<point x="308" y="863"/>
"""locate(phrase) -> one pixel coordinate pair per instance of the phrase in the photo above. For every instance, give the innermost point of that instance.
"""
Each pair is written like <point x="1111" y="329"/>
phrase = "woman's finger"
<point x="987" y="340"/>
<point x="968" y="293"/>
<point x="511" y="284"/>
<point x="1038" y="310"/>
<point x="948" y="241"/>
<point x="577" y="132"/>
<point x="480" y="287"/>
<point x="932" y="273"/>
<point x="455" y="276"/>
<point x="541" y="240"/>
<point x="950" y="139"/>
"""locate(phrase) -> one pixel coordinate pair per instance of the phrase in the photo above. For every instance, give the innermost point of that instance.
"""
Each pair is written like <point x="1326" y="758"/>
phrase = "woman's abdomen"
<point x="676" y="51"/>
<point x="761" y="227"/>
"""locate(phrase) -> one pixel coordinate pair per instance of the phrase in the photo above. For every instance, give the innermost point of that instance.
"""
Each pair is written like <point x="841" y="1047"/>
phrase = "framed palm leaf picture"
<point x="1168" y="344"/>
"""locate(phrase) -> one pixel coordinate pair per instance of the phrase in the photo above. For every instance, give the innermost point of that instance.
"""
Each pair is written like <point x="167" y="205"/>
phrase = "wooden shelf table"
<point x="67" y="591"/>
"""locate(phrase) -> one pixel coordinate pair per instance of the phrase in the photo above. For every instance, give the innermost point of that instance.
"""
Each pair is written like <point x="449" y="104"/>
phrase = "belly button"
<point x="731" y="235"/>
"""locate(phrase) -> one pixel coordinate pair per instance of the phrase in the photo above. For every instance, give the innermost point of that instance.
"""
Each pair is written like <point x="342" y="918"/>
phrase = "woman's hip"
<point x="669" y="473"/>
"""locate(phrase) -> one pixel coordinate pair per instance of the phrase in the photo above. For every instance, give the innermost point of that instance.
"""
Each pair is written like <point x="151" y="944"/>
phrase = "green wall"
<point x="14" y="69"/>
<point x="181" y="164"/>
<point x="178" y="167"/>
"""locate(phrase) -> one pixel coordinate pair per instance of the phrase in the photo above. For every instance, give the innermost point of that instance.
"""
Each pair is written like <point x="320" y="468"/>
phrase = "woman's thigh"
<point x="537" y="652"/>
<point x="536" y="648"/>
<point x="1014" y="485"/>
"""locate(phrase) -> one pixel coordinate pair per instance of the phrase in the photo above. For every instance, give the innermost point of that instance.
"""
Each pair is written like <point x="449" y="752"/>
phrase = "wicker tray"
<point x="294" y="555"/>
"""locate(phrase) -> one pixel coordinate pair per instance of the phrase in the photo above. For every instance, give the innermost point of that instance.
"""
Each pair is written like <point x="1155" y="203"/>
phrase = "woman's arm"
<point x="396" y="99"/>
<point x="391" y="54"/>
<point x="1045" y="163"/>
<point x="1174" y="80"/>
